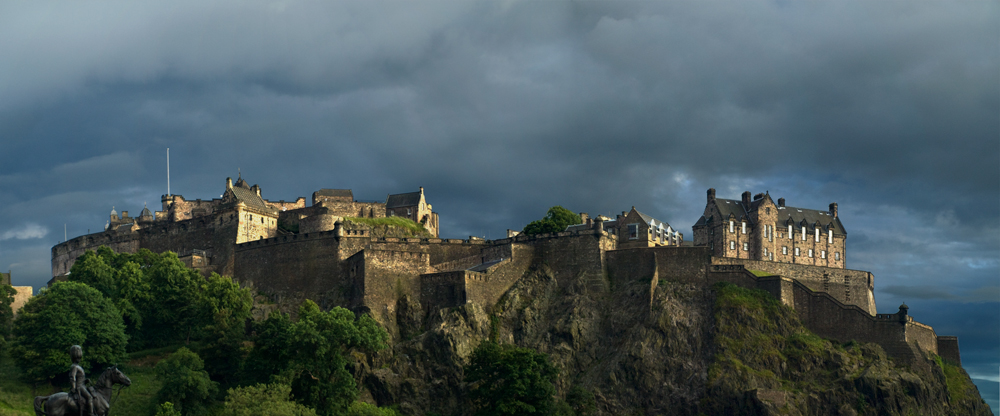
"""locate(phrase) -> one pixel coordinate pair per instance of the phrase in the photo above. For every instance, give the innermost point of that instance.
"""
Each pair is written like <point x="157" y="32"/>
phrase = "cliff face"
<point x="668" y="348"/>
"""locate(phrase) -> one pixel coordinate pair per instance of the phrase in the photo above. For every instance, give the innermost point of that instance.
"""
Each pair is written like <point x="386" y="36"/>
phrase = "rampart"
<point x="852" y="287"/>
<point x="828" y="317"/>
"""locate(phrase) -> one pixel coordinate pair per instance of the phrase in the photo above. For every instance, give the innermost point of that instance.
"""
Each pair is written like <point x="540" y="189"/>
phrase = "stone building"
<point x="759" y="229"/>
<point x="633" y="229"/>
<point x="22" y="294"/>
<point x="204" y="233"/>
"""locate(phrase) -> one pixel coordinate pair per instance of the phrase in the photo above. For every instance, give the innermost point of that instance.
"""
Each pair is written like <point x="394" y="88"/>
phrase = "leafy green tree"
<point x="556" y="220"/>
<point x="119" y="279"/>
<point x="320" y="345"/>
<point x="508" y="380"/>
<point x="7" y="293"/>
<point x="272" y="349"/>
<point x="167" y="409"/>
<point x="175" y="311"/>
<point x="227" y="307"/>
<point x="185" y="382"/>
<point x="65" y="314"/>
<point x="263" y="399"/>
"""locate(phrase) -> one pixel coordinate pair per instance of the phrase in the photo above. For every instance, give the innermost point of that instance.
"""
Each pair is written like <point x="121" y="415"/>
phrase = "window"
<point x="803" y="233"/>
<point x="836" y="255"/>
<point x="408" y="212"/>
<point x="731" y="224"/>
<point x="829" y="237"/>
<point x="817" y="234"/>
<point x="767" y="210"/>
<point x="810" y="252"/>
<point x="789" y="231"/>
<point x="633" y="231"/>
<point x="771" y="257"/>
<point x="744" y="227"/>
<point x="822" y="254"/>
<point x="765" y="251"/>
<point x="732" y="245"/>
<point x="784" y="250"/>
<point x="746" y="246"/>
<point x="796" y="251"/>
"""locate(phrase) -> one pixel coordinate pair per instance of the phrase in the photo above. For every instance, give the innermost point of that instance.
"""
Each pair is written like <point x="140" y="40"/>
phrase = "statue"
<point x="96" y="398"/>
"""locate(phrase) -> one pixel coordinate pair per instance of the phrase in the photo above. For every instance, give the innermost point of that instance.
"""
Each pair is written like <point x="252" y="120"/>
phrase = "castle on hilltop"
<point x="292" y="252"/>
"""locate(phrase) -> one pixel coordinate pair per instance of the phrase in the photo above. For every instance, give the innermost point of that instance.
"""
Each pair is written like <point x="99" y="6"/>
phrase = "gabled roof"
<point x="811" y="217"/>
<point x="409" y="199"/>
<point x="336" y="193"/>
<point x="250" y="198"/>
<point x="732" y="207"/>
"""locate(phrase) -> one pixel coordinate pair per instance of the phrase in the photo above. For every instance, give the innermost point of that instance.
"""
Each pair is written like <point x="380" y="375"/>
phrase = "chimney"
<point x="781" y="202"/>
<point x="255" y="189"/>
<point x="229" y="183"/>
<point x="711" y="195"/>
<point x="833" y="209"/>
<point x="746" y="199"/>
<point x="758" y="196"/>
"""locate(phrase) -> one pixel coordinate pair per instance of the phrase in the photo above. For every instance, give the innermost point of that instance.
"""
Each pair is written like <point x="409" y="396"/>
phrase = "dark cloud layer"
<point x="502" y="109"/>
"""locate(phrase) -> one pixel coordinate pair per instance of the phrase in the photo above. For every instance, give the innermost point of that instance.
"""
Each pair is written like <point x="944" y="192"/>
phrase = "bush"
<point x="556" y="220"/>
<point x="263" y="399"/>
<point x="508" y="380"/>
<point x="185" y="382"/>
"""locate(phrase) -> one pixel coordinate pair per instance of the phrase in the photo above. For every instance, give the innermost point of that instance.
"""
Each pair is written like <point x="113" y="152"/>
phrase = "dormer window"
<point x="817" y="234"/>
<point x="744" y="227"/>
<point x="789" y="231"/>
<point x="732" y="224"/>
<point x="829" y="237"/>
<point x="803" y="233"/>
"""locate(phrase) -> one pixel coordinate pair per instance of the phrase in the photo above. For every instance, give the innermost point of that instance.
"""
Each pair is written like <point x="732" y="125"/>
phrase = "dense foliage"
<point x="185" y="382"/>
<point x="263" y="399"/>
<point x="65" y="314"/>
<point x="556" y="220"/>
<point x="6" y="313"/>
<point x="508" y="380"/>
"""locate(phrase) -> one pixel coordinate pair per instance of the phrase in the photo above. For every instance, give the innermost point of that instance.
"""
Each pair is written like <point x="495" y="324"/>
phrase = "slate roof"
<point x="403" y="200"/>
<point x="250" y="198"/>
<point x="336" y="193"/>
<point x="735" y="207"/>
<point x="145" y="212"/>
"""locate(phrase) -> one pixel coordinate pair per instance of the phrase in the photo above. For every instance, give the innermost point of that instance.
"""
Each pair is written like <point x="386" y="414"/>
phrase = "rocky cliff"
<point x="666" y="348"/>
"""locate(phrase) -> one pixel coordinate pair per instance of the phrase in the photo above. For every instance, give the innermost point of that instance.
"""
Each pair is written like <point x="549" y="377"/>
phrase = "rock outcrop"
<point x="678" y="349"/>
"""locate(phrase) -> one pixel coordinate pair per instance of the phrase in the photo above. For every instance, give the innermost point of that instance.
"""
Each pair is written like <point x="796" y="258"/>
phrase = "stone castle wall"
<point x="852" y="287"/>
<point x="22" y="296"/>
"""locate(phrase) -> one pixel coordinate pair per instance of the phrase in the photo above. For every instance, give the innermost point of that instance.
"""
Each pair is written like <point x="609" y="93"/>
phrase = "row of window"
<point x="784" y="250"/>
<point x="769" y="232"/>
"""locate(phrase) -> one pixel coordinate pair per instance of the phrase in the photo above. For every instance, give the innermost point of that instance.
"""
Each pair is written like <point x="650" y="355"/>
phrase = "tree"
<point x="167" y="409"/>
<point x="263" y="399"/>
<point x="7" y="293"/>
<point x="508" y="380"/>
<point x="320" y="345"/>
<point x="68" y="313"/>
<point x="556" y="220"/>
<point x="227" y="307"/>
<point x="185" y="382"/>
<point x="366" y="409"/>
<point x="272" y="349"/>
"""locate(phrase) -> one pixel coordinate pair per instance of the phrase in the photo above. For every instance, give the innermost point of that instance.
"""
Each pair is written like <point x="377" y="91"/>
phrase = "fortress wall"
<point x="318" y="223"/>
<point x="485" y="289"/>
<point x="948" y="349"/>
<point x="853" y="287"/>
<point x="923" y="335"/>
<point x="355" y="208"/>
<point x="388" y="276"/>
<point x="283" y="205"/>
<point x="64" y="254"/>
<point x="683" y="264"/>
<point x="569" y="254"/>
<point x="443" y="290"/>
<point x="630" y="264"/>
<point x="295" y="266"/>
<point x="214" y="234"/>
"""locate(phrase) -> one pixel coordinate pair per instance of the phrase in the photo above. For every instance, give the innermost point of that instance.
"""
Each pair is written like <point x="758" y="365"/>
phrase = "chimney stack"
<point x="746" y="199"/>
<point x="781" y="202"/>
<point x="711" y="195"/>
<point x="833" y="209"/>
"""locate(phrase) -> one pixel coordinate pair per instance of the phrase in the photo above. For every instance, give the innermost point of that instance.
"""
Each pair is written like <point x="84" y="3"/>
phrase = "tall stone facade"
<point x="760" y="229"/>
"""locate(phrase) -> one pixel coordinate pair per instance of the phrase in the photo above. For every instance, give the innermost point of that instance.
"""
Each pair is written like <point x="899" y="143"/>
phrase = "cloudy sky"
<point x="502" y="109"/>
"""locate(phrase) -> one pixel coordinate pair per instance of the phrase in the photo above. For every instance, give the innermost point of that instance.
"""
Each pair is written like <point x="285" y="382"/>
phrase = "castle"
<point x="292" y="252"/>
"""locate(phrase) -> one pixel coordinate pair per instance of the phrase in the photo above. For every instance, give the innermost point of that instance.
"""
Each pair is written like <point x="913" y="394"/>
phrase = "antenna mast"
<point x="168" y="171"/>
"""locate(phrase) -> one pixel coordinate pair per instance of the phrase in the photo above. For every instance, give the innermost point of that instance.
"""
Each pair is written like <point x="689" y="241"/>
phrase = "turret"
<point x="903" y="312"/>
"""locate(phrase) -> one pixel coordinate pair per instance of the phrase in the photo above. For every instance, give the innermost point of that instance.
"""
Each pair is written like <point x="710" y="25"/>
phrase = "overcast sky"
<point x="503" y="109"/>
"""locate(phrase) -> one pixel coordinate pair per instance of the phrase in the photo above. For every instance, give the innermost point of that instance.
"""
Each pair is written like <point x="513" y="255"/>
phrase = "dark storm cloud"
<point x="502" y="109"/>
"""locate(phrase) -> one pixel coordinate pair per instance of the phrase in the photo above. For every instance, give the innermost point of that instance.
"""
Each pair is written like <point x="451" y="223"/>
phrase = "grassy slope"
<point x="408" y="227"/>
